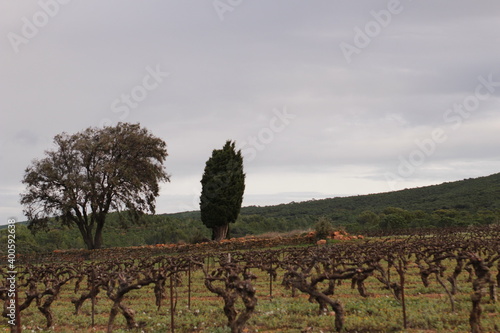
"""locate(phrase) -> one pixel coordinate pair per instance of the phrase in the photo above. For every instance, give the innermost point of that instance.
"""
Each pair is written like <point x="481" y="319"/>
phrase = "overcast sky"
<point x="325" y="98"/>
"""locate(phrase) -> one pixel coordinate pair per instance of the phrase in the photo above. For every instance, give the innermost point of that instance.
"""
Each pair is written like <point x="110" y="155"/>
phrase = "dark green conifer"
<point x="223" y="184"/>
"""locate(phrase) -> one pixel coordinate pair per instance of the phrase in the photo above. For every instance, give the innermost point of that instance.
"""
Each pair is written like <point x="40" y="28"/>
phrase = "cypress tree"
<point x="223" y="184"/>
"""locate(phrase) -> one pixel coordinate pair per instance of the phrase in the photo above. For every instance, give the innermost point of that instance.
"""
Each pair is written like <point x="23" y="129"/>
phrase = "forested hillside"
<point x="460" y="203"/>
<point x="465" y="202"/>
<point x="470" y="195"/>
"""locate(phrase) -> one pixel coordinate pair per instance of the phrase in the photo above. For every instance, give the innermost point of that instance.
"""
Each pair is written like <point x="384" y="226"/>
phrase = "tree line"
<point x="168" y="229"/>
<point x="97" y="171"/>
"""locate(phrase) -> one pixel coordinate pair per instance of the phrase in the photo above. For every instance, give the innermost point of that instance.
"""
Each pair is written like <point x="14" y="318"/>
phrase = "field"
<point x="385" y="274"/>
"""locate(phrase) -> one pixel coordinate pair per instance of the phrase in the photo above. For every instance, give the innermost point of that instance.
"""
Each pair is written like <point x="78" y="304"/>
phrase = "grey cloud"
<point x="227" y="77"/>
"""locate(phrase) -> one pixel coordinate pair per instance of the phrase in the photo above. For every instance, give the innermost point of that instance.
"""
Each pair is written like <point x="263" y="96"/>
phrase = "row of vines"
<point x="473" y="254"/>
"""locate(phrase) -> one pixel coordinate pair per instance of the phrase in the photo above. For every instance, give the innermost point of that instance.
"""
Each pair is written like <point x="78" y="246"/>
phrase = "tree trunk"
<point x="86" y="235"/>
<point x="220" y="232"/>
<point x="88" y="242"/>
<point x="98" y="238"/>
<point x="93" y="242"/>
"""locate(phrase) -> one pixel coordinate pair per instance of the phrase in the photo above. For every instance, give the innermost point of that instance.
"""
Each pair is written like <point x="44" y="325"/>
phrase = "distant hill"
<point x="471" y="195"/>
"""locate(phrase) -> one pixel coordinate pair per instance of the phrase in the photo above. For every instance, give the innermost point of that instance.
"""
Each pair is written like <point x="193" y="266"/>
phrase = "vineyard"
<point x="445" y="281"/>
